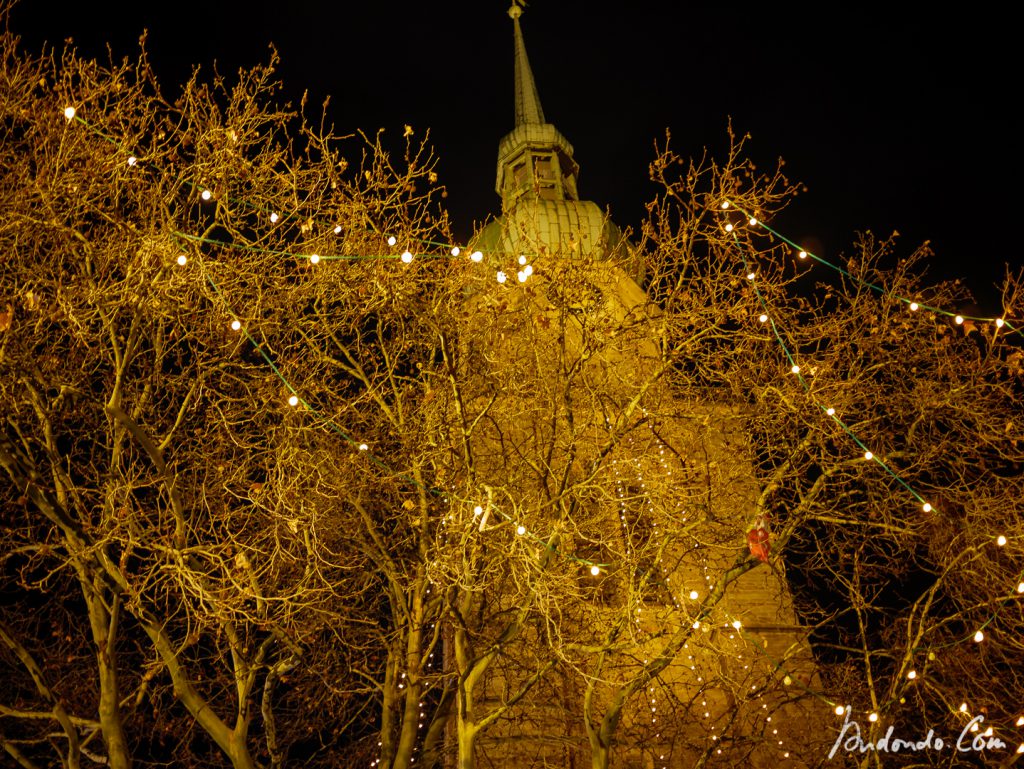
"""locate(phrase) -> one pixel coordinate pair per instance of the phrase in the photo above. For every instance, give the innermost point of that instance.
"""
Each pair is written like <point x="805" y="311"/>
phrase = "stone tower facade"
<point x="653" y="638"/>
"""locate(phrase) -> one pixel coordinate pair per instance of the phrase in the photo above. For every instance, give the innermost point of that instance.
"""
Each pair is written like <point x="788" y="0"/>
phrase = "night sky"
<point x="903" y="123"/>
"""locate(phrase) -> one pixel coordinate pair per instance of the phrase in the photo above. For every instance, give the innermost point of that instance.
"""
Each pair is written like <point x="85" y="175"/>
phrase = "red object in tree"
<point x="757" y="541"/>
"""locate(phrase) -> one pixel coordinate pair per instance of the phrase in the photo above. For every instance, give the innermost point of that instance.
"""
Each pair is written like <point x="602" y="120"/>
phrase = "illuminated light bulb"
<point x="737" y="624"/>
<point x="406" y="256"/>
<point x="528" y="269"/>
<point x="914" y="306"/>
<point x="1020" y="748"/>
<point x="959" y="319"/>
<point x="132" y="160"/>
<point x="830" y="411"/>
<point x="787" y="681"/>
<point x="273" y="218"/>
<point x="293" y="400"/>
<point x="522" y="259"/>
<point x="522" y="276"/>
<point x="979" y="637"/>
<point x="594" y="571"/>
<point x="477" y="510"/>
<point x="868" y="455"/>
<point x="795" y="369"/>
<point x="725" y="204"/>
<point x="501" y="277"/>
<point x="963" y="707"/>
<point x="873" y="717"/>
<point x="974" y="727"/>
<point x="751" y="276"/>
<point x="69" y="112"/>
<point x="999" y="322"/>
<point x="1020" y="587"/>
<point x="1000" y="540"/>
<point x="1020" y="721"/>
<point x="728" y="228"/>
<point x="235" y="325"/>
<point x="912" y="675"/>
<point x="802" y="254"/>
<point x="206" y="195"/>
<point x="763" y="318"/>
<point x="392" y="240"/>
<point x="753" y="221"/>
<point x="337" y="229"/>
<point x="987" y="732"/>
<point x="696" y="625"/>
<point x="927" y="507"/>
<point x="314" y="259"/>
<point x="456" y="251"/>
<point x="182" y="259"/>
<point x="694" y="595"/>
<point x="520" y="530"/>
<point x="840" y="710"/>
<point x="363" y="447"/>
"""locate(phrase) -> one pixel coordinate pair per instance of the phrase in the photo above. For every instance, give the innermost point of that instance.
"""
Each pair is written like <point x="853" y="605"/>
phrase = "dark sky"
<point x="893" y="122"/>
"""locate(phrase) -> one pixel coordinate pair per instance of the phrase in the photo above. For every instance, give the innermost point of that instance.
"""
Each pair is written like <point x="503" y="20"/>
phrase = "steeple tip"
<point x="528" y="109"/>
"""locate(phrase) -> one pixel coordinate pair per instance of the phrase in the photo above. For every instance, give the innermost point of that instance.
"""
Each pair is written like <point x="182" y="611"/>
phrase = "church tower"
<point x="628" y="625"/>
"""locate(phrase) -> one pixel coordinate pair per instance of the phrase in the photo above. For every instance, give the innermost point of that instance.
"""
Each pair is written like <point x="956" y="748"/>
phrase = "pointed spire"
<point x="528" y="109"/>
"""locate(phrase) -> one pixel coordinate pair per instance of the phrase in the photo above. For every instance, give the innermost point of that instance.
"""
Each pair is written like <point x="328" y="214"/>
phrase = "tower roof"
<point x="528" y="109"/>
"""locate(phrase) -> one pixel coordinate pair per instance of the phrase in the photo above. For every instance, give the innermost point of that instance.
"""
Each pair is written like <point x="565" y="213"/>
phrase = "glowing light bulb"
<point x="273" y="218"/>
<point x="737" y="624"/>
<point x="69" y="112"/>
<point x="182" y="259"/>
<point x="914" y="306"/>
<point x="520" y="530"/>
<point x="868" y="455"/>
<point x="206" y="195"/>
<point x="927" y="507"/>
<point x="522" y="259"/>
<point x="753" y="221"/>
<point x="456" y="251"/>
<point x="830" y="411"/>
<point x="1000" y="540"/>
<point x="363" y="447"/>
<point x="314" y="259"/>
<point x="696" y="625"/>
<point x="959" y="319"/>
<point x="728" y="228"/>
<point x="979" y="637"/>
<point x="1020" y="587"/>
<point x="236" y="325"/>
<point x="132" y="160"/>
<point x="522" y="276"/>
<point x="594" y="571"/>
<point x="795" y="369"/>
<point x="1020" y="721"/>
<point x="802" y="254"/>
<point x="725" y="204"/>
<point x="873" y="717"/>
<point x="528" y="269"/>
<point x="912" y="675"/>
<point x="786" y="681"/>
<point x="477" y="510"/>
<point x="694" y="595"/>
<point x="406" y="256"/>
<point x="840" y="710"/>
<point x="963" y="707"/>
<point x="337" y="229"/>
<point x="1020" y="748"/>
<point x="293" y="400"/>
<point x="392" y="240"/>
<point x="763" y="318"/>
<point x="751" y="276"/>
<point x="501" y="277"/>
<point x="999" y="322"/>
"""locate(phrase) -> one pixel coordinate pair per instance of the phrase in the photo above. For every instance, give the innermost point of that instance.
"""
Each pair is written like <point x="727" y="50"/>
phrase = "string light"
<point x="132" y="160"/>
<point x="273" y="218"/>
<point x="392" y="240"/>
<point x="69" y="113"/>
<point x="725" y="204"/>
<point x="501" y="277"/>
<point x="763" y="318"/>
<point x="407" y="256"/>
<point x="206" y="195"/>
<point x="873" y="717"/>
<point x="959" y="320"/>
<point x="868" y="455"/>
<point x="753" y="221"/>
<point x="314" y="259"/>
<point x="594" y="570"/>
<point x="802" y="254"/>
<point x="337" y="229"/>
<point x="522" y="260"/>
<point x="293" y="400"/>
<point x="236" y="324"/>
<point x="1000" y="540"/>
<point x="912" y="675"/>
<point x="729" y="227"/>
<point x="182" y="260"/>
<point x="520" y="530"/>
<point x="795" y="369"/>
<point x="979" y="637"/>
<point x="840" y="710"/>
<point x="914" y="306"/>
<point x="751" y="276"/>
<point x="363" y="447"/>
<point x="927" y="507"/>
<point x="830" y="411"/>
